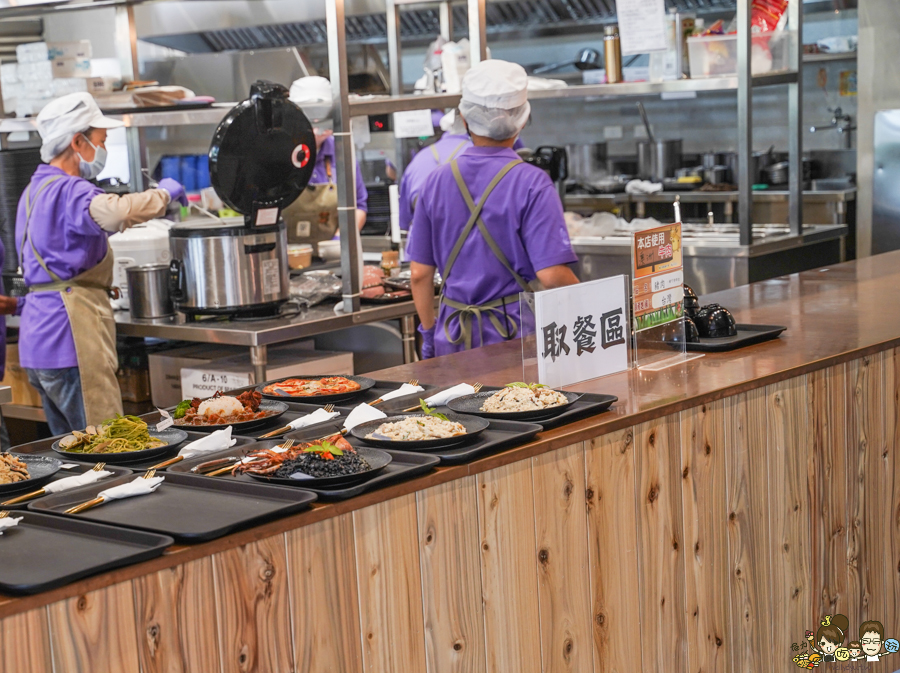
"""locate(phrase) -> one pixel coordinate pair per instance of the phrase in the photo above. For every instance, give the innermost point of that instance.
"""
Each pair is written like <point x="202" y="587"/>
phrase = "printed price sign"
<point x="581" y="331"/>
<point x="657" y="289"/>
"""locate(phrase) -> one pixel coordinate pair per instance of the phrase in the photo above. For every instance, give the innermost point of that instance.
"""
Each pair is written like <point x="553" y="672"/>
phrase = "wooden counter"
<point x="719" y="511"/>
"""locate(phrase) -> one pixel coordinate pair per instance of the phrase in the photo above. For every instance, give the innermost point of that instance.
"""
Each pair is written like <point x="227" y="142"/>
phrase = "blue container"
<point x="189" y="173"/>
<point x="203" y="172"/>
<point x="170" y="167"/>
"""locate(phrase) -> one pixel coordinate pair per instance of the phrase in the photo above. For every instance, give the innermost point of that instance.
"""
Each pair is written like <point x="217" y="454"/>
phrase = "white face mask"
<point x="91" y="169"/>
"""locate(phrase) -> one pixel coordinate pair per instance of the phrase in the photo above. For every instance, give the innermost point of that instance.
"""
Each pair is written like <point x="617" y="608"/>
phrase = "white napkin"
<point x="88" y="477"/>
<point x="362" y="414"/>
<point x="139" y="486"/>
<point x="445" y="396"/>
<point x="318" y="416"/>
<point x="9" y="522"/>
<point x="214" y="441"/>
<point x="405" y="389"/>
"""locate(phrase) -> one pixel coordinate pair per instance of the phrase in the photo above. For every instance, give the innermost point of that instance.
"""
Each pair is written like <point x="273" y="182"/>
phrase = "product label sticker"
<point x="303" y="229"/>
<point x="266" y="216"/>
<point x="271" y="276"/>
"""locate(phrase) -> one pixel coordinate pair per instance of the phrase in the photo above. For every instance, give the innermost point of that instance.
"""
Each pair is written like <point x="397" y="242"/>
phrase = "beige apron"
<point x="492" y="310"/>
<point x="313" y="217"/>
<point x="86" y="298"/>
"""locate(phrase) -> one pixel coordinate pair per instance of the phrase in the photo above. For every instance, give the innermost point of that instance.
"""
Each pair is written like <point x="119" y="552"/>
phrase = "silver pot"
<point x="219" y="267"/>
<point x="148" y="291"/>
<point x="587" y="162"/>
<point x="658" y="160"/>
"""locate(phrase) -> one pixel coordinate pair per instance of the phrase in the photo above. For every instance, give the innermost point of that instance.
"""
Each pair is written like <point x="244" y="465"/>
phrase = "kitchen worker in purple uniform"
<point x="492" y="224"/>
<point x="313" y="216"/>
<point x="452" y="143"/>
<point x="67" y="336"/>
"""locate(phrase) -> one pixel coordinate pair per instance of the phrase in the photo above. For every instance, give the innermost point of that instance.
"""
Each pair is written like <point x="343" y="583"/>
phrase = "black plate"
<point x="40" y="470"/>
<point x="187" y="507"/>
<point x="74" y="470"/>
<point x="474" y="427"/>
<point x="45" y="552"/>
<point x="471" y="404"/>
<point x="746" y="335"/>
<point x="266" y="405"/>
<point x="172" y="436"/>
<point x="364" y="384"/>
<point x="377" y="459"/>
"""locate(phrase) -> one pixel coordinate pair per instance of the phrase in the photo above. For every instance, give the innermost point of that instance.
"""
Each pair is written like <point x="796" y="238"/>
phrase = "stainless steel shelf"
<point x="388" y="104"/>
<point x="211" y="115"/>
<point x="24" y="413"/>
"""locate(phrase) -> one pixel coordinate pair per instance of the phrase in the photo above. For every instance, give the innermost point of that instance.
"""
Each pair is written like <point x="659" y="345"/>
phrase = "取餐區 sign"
<point x="582" y="331"/>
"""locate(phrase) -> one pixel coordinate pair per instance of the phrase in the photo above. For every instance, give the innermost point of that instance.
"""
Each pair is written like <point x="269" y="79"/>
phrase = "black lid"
<point x="263" y="153"/>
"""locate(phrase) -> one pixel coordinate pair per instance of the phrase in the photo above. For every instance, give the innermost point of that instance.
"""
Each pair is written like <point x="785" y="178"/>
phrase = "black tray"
<point x="80" y="468"/>
<point x="404" y="465"/>
<point x="45" y="552"/>
<point x="394" y="405"/>
<point x="364" y="381"/>
<point x="499" y="435"/>
<point x="174" y="436"/>
<point x="42" y="448"/>
<point x="40" y="469"/>
<point x="589" y="404"/>
<point x="474" y="426"/>
<point x="243" y="426"/>
<point x="295" y="411"/>
<point x="185" y="506"/>
<point x="747" y="335"/>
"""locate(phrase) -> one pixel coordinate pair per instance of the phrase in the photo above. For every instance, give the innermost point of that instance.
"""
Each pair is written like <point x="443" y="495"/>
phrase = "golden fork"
<point x="287" y="445"/>
<point x="77" y="509"/>
<point x="477" y="388"/>
<point x="280" y="431"/>
<point x="4" y="514"/>
<point x="40" y="491"/>
<point x="412" y="382"/>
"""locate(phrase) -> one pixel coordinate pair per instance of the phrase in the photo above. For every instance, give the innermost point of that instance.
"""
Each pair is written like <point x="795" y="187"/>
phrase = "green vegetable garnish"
<point x="428" y="411"/>
<point x="182" y="409"/>
<point x="324" y="447"/>
<point x="520" y="384"/>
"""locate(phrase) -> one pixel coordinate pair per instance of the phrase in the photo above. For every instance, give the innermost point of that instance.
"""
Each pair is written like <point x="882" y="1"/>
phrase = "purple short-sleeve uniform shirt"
<point x="525" y="218"/>
<point x="423" y="165"/>
<point x="320" y="175"/>
<point x="71" y="242"/>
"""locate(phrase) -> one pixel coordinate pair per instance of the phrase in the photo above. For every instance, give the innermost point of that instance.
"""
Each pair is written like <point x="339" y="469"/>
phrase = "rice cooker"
<point x="142" y="244"/>
<point x="261" y="158"/>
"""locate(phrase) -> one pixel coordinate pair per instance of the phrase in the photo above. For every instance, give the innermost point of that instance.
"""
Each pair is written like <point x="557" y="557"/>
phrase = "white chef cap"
<point x="64" y="118"/>
<point x="314" y="96"/>
<point x="495" y="99"/>
<point x="452" y="123"/>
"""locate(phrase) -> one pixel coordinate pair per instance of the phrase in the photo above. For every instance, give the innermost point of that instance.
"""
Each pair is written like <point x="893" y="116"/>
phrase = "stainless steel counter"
<point x="717" y="261"/>
<point x="258" y="334"/>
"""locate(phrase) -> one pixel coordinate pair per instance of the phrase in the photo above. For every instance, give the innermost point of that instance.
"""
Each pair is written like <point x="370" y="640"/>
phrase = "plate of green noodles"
<point x="118" y="441"/>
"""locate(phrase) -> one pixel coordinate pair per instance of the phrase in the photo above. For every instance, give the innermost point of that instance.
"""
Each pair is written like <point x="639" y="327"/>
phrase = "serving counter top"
<point x="671" y="456"/>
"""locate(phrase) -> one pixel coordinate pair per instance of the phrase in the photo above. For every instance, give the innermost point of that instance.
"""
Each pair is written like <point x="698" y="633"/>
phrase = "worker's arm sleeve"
<point x="114" y="213"/>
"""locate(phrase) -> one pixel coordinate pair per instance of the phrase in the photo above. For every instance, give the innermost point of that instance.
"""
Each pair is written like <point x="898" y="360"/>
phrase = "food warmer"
<point x="261" y="158"/>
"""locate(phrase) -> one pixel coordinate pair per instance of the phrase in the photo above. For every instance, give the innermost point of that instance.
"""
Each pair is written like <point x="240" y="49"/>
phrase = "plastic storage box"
<point x="716" y="55"/>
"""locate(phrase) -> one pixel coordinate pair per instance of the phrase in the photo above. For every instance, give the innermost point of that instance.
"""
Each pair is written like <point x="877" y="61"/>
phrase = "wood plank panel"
<point x="95" y="632"/>
<point x="562" y="552"/>
<point x="828" y="491"/>
<point x="892" y="443"/>
<point x="749" y="565"/>
<point x="509" y="569"/>
<point x="176" y="619"/>
<point x="390" y="598"/>
<point x="661" y="544"/>
<point x="706" y="537"/>
<point x="789" y="450"/>
<point x="451" y="577"/>
<point x="25" y="643"/>
<point x="253" y="608"/>
<point x="613" y="549"/>
<point x="324" y="597"/>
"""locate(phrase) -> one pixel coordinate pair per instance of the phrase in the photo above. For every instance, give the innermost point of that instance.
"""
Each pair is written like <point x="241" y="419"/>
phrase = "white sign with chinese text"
<point x="642" y="26"/>
<point x="413" y="124"/>
<point x="581" y="331"/>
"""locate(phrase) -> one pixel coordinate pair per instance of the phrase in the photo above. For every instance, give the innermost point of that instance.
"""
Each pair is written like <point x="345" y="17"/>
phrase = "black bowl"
<point x="689" y="293"/>
<point x="471" y="404"/>
<point x="474" y="426"/>
<point x="675" y="334"/>
<point x="715" y="322"/>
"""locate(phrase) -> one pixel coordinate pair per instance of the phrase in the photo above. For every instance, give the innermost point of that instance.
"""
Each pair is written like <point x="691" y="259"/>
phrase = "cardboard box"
<point x="17" y="378"/>
<point x="33" y="52"/>
<point x="237" y="372"/>
<point x="71" y="67"/>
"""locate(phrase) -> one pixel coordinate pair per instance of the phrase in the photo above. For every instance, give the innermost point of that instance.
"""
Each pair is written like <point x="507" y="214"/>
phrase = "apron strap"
<point x="434" y="153"/>
<point x="29" y="208"/>
<point x="475" y="219"/>
<point x="437" y="157"/>
<point x="507" y="329"/>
